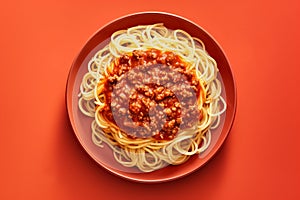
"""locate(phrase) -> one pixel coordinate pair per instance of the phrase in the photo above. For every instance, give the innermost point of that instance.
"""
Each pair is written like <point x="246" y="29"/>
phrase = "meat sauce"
<point x="151" y="94"/>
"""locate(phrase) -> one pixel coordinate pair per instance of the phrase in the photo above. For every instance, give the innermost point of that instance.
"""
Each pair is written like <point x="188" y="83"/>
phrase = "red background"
<point x="40" y="156"/>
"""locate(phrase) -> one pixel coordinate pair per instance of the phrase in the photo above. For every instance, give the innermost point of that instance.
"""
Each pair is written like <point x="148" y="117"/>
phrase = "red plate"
<point x="81" y="124"/>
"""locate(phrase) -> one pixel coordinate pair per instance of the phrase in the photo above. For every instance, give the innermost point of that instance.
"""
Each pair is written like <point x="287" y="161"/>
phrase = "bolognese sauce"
<point x="146" y="94"/>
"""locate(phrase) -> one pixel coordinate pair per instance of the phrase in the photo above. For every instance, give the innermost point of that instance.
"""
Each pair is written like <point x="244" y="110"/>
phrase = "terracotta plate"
<point x="82" y="124"/>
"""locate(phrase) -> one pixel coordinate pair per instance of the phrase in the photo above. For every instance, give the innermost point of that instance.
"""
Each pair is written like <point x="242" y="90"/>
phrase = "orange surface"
<point x="40" y="156"/>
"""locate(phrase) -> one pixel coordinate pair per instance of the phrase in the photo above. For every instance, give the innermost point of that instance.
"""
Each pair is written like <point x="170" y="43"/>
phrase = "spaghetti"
<point x="154" y="96"/>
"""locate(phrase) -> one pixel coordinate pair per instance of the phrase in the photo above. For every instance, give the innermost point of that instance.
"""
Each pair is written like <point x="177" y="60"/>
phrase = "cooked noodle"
<point x="149" y="154"/>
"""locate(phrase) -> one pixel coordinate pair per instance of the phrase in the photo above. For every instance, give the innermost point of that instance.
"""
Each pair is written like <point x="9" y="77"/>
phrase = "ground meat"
<point x="150" y="94"/>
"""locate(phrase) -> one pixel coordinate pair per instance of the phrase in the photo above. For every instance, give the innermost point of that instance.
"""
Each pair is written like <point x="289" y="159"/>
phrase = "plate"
<point x="82" y="124"/>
